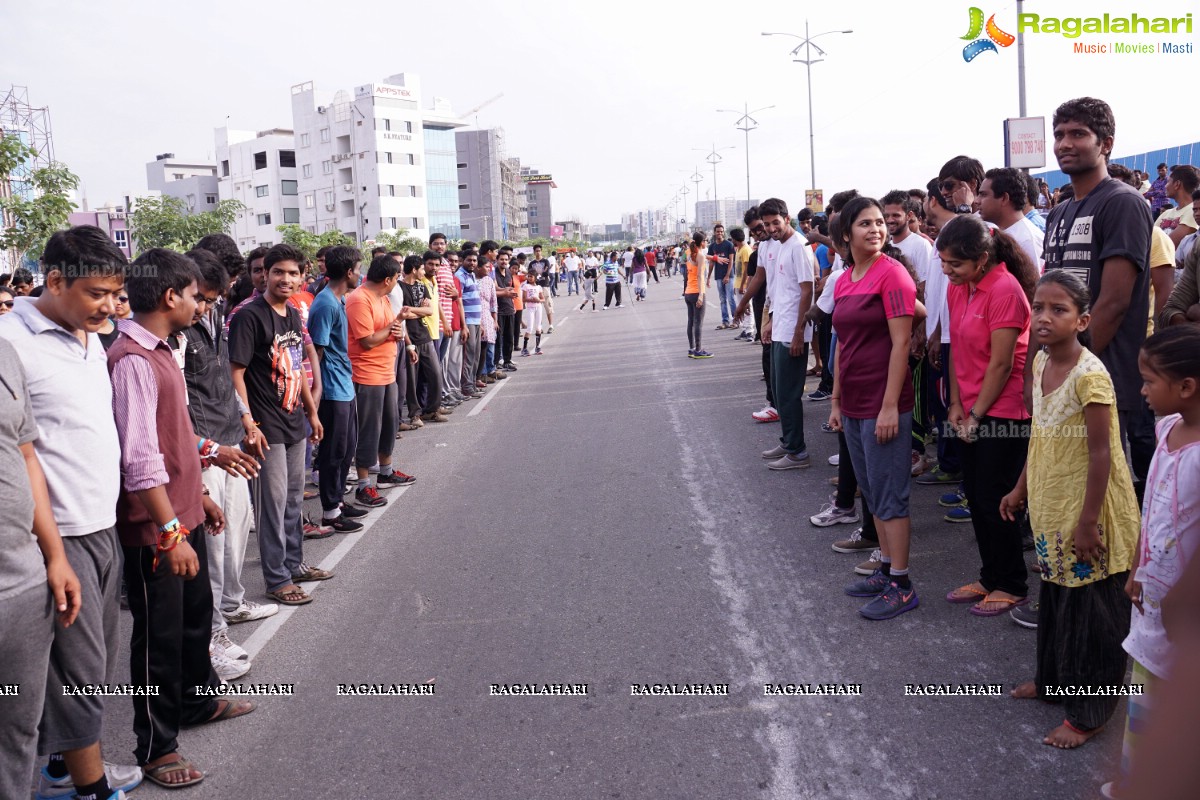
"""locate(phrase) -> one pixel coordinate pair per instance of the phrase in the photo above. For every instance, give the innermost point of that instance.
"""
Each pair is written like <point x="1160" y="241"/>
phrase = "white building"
<point x="193" y="181"/>
<point x="376" y="161"/>
<point x="259" y="170"/>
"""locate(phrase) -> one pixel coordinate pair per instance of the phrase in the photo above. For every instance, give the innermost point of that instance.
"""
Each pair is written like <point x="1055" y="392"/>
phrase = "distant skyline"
<point x="619" y="102"/>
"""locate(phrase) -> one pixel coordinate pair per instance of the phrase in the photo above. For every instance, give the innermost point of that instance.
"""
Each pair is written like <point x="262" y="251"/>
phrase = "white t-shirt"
<point x="936" y="307"/>
<point x="627" y="259"/>
<point x="572" y="263"/>
<point x="825" y="301"/>
<point x="793" y="267"/>
<point x="591" y="262"/>
<point x="919" y="252"/>
<point x="1030" y="238"/>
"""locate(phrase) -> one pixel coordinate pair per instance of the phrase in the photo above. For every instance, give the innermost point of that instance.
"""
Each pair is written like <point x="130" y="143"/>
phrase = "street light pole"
<point x="808" y="61"/>
<point x="746" y="123"/>
<point x="697" y="178"/>
<point x="714" y="158"/>
<point x="1020" y="62"/>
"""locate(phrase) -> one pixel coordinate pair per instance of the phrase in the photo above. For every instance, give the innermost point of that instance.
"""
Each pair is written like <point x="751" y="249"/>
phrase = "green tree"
<point x="28" y="223"/>
<point x="164" y="222"/>
<point x="309" y="243"/>
<point x="399" y="242"/>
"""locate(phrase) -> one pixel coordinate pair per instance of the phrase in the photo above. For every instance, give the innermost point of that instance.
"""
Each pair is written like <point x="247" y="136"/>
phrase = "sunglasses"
<point x="121" y="298"/>
<point x="6" y="303"/>
<point x="949" y="185"/>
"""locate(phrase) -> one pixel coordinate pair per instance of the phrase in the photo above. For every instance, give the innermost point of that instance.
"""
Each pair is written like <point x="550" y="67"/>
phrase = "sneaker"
<point x="778" y="451"/>
<point x="937" y="476"/>
<point x="314" y="531"/>
<point x="231" y="648"/>
<point x="825" y="426"/>
<point x="958" y="514"/>
<point x="397" y="478"/>
<point x="835" y="459"/>
<point x="227" y="668"/>
<point x="691" y="353"/>
<point x="550" y="330"/>
<point x="952" y="499"/>
<point x="870" y="586"/>
<point x="619" y="305"/>
<point x="919" y="464"/>
<point x="766" y="414"/>
<point x="871" y="564"/>
<point x="121" y="778"/>
<point x="369" y="498"/>
<point x="703" y="354"/>
<point x="830" y="514"/>
<point x="855" y="544"/>
<point x="893" y="602"/>
<point x="1026" y="616"/>
<point x="353" y="512"/>
<point x="524" y="352"/>
<point x="249" y="611"/>
<point x="790" y="461"/>
<point x="342" y="524"/>
<point x="819" y="395"/>
<point x="510" y="367"/>
<point x="538" y="352"/>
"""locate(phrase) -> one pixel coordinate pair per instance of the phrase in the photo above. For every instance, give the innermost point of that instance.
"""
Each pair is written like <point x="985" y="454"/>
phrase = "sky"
<point x="618" y="100"/>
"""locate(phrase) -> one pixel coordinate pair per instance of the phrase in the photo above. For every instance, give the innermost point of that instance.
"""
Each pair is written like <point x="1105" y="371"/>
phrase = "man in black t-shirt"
<point x="1102" y="235"/>
<point x="417" y="299"/>
<point x="266" y="354"/>
<point x="506" y="315"/>
<point x="720" y="266"/>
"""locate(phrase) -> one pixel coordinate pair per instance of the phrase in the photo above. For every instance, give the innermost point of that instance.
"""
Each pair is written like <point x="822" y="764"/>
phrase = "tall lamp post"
<point x="807" y="44"/>
<point x="745" y="123"/>
<point x="697" y="179"/>
<point x="714" y="158"/>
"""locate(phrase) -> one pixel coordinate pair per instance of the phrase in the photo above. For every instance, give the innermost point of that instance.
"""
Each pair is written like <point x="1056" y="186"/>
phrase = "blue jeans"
<point x="725" y="300"/>
<point x="489" y="361"/>
<point x="573" y="281"/>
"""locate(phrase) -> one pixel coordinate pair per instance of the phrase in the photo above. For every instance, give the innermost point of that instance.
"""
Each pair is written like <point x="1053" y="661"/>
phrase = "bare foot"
<point x="1065" y="737"/>
<point x="1026" y="691"/>
<point x="183" y="774"/>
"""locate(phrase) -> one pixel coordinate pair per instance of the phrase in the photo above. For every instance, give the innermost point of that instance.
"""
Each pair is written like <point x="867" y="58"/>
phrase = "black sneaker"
<point x="509" y="367"/>
<point x="369" y="498"/>
<point x="353" y="512"/>
<point x="395" y="479"/>
<point x="892" y="602"/>
<point x="1026" y="616"/>
<point x="342" y="524"/>
<point x="870" y="586"/>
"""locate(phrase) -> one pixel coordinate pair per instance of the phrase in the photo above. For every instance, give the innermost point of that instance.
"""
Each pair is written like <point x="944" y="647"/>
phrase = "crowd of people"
<point x="1035" y="339"/>
<point x="159" y="411"/>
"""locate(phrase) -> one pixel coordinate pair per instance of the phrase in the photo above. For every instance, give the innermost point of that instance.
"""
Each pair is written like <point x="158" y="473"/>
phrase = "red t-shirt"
<point x="456" y="319"/>
<point x="999" y="302"/>
<point x="651" y="258"/>
<point x="861" y="312"/>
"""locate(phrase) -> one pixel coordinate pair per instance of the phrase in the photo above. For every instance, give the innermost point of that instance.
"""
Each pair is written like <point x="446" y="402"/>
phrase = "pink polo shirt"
<point x="998" y="302"/>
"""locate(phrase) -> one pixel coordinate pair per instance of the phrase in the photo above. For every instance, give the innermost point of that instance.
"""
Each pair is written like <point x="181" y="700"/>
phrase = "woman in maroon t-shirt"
<point x="991" y="281"/>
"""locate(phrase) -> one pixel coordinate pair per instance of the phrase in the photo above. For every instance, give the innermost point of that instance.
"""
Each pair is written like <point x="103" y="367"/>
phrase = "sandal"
<point x="294" y="597"/>
<point x="312" y="574"/>
<point x="1006" y="605"/>
<point x="155" y="774"/>
<point x="965" y="594"/>
<point x="232" y="710"/>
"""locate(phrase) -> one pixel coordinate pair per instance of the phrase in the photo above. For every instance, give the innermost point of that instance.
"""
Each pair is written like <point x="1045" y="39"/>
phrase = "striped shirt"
<point x="446" y="293"/>
<point x="472" y="306"/>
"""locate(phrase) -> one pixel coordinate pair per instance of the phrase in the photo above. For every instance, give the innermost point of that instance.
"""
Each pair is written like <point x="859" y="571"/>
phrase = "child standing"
<point x="589" y="285"/>
<point x="1170" y="367"/>
<point x="533" y="295"/>
<point x="1083" y="512"/>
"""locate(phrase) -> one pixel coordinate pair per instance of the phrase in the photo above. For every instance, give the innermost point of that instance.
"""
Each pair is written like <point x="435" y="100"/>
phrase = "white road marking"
<point x="487" y="398"/>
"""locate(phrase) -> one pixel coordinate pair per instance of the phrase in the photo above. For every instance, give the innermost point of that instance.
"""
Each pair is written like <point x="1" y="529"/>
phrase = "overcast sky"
<point x="616" y="99"/>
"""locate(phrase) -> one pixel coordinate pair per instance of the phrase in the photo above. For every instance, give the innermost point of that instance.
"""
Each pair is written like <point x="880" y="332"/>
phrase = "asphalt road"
<point x="606" y="519"/>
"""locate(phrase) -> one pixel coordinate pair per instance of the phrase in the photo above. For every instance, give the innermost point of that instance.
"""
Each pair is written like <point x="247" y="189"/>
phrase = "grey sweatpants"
<point x="227" y="550"/>
<point x="25" y="638"/>
<point x="280" y="490"/>
<point x="86" y="652"/>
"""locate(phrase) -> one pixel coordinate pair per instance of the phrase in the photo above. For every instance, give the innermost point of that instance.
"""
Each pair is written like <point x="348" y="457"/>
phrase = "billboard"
<point x="556" y="231"/>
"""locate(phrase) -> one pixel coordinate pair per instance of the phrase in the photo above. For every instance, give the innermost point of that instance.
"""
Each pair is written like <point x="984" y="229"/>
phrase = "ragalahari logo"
<point x="995" y="36"/>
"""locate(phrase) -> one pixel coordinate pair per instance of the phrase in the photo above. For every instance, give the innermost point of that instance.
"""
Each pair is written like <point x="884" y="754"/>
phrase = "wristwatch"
<point x="963" y="208"/>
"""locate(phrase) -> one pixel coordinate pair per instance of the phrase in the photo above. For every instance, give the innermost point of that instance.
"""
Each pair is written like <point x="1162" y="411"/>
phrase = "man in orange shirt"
<point x="372" y="332"/>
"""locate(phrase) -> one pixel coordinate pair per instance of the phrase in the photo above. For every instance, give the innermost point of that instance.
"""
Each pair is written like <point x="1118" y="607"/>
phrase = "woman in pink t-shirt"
<point x="874" y="303"/>
<point x="991" y="281"/>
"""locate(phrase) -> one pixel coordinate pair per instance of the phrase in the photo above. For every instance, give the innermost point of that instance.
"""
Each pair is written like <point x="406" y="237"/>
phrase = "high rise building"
<point x="492" y="198"/>
<point x="376" y="161"/>
<point x="258" y="170"/>
<point x="538" y="210"/>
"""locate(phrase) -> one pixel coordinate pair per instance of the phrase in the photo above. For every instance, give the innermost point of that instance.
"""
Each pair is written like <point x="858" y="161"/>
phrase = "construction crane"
<point x="475" y="111"/>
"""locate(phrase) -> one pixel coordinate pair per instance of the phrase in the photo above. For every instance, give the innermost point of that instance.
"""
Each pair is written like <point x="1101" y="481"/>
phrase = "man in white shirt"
<point x="788" y="263"/>
<point x="1002" y="203"/>
<point x="899" y="210"/>
<point x="571" y="262"/>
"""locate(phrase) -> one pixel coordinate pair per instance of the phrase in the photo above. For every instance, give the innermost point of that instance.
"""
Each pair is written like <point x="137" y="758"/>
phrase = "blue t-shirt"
<point x="327" y="327"/>
<point x="610" y="272"/>
<point x="470" y="296"/>
<point x="822" y="254"/>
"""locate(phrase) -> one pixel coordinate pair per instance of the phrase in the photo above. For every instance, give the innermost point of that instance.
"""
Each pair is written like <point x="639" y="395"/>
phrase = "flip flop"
<point x="965" y="594"/>
<point x="232" y="710"/>
<point x="298" y="597"/>
<point x="1004" y="609"/>
<point x="154" y="774"/>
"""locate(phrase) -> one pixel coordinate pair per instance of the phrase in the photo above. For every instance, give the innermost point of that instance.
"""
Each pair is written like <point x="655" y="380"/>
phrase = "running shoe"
<point x="538" y="352"/>
<point x="830" y="514"/>
<point x="121" y="778"/>
<point x="524" y="352"/>
<point x="766" y="414"/>
<point x="231" y="648"/>
<point x="958" y="514"/>
<point x="894" y="601"/>
<point x="691" y="353"/>
<point x="368" y="497"/>
<point x="825" y="426"/>
<point x="870" y="586"/>
<point x="920" y="464"/>
<point x="342" y="524"/>
<point x="249" y="611"/>
<point x="701" y="353"/>
<point x="953" y="499"/>
<point x="819" y="395"/>
<point x="226" y="667"/>
<point x="510" y="367"/>
<point x="937" y="476"/>
<point x="352" y="511"/>
<point x="395" y="479"/>
<point x="314" y="531"/>
<point x="1026" y="616"/>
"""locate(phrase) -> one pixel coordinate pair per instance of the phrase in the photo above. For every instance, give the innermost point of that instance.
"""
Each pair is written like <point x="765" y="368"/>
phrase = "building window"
<point x="410" y="158"/>
<point x="462" y="166"/>
<point x="291" y="216"/>
<point x="327" y="167"/>
<point x="416" y="222"/>
<point x="533" y="212"/>
<point x="307" y="170"/>
<point x="389" y="222"/>
<point x="176" y="176"/>
<point x="305" y="139"/>
<point x="309" y="201"/>
<point x="210" y="199"/>
<point x="288" y="187"/>
<point x="224" y="169"/>
<point x="324" y="134"/>
<point x="264" y="219"/>
<point x="387" y="190"/>
<point x="466" y="226"/>
<point x="260" y="160"/>
<point x="387" y="158"/>
<point x="287" y="158"/>
<point x="387" y="124"/>
<point x="408" y="127"/>
<point x="533" y="230"/>
<point x="462" y="186"/>
<point x="331" y="226"/>
<point x="463" y="206"/>
<point x="261" y="191"/>
<point x="121" y="238"/>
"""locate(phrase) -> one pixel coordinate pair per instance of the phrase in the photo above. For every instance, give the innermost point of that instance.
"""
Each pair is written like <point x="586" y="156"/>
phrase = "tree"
<point x="29" y="221"/>
<point x="399" y="242"/>
<point x="309" y="243"/>
<point x="164" y="222"/>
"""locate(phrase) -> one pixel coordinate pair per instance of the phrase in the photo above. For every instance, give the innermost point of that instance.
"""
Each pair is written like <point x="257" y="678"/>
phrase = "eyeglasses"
<point x="948" y="185"/>
<point x="122" y="298"/>
<point x="6" y="303"/>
